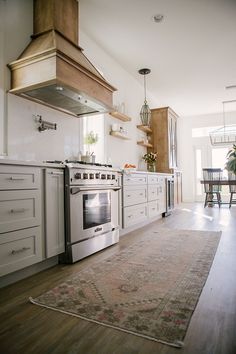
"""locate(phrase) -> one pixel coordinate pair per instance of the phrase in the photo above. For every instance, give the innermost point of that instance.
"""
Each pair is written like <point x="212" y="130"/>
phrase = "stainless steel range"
<point x="91" y="207"/>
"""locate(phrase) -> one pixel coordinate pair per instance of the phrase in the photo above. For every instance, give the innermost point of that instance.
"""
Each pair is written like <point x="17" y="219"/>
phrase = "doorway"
<point x="208" y="156"/>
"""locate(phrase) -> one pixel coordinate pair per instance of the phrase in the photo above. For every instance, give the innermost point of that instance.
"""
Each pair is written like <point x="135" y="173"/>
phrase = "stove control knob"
<point x="113" y="177"/>
<point x="91" y="176"/>
<point x="103" y="176"/>
<point x="97" y="175"/>
<point x="108" y="176"/>
<point x="85" y="176"/>
<point x="77" y="175"/>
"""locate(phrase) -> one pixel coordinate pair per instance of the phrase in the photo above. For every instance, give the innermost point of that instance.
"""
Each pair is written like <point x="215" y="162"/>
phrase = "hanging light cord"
<point x="144" y="78"/>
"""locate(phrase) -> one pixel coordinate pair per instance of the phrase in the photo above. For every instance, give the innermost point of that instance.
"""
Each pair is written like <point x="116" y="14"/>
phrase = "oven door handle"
<point x="75" y="190"/>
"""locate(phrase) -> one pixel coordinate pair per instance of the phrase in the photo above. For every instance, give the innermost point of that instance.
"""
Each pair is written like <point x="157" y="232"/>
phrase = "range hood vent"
<point x="53" y="70"/>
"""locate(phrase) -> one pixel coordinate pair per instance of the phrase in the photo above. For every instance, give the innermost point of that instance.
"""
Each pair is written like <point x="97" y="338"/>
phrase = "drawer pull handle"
<point x="20" y="250"/>
<point x="56" y="173"/>
<point x="20" y="210"/>
<point x="128" y="195"/>
<point x="129" y="216"/>
<point x="142" y="212"/>
<point x="153" y="208"/>
<point x="16" y="179"/>
<point x="140" y="193"/>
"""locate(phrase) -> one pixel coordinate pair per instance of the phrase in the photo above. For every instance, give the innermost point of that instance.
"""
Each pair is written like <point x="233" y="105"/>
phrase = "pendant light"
<point x="226" y="134"/>
<point x="145" y="113"/>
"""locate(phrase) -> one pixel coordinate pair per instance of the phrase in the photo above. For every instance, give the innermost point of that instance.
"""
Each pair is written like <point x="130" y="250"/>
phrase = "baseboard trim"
<point x="28" y="271"/>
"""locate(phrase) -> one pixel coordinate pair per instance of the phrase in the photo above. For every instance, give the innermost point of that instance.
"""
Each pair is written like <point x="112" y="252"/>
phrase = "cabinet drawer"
<point x="19" y="210"/>
<point x="153" y="209"/>
<point x="134" y="195"/>
<point x="153" y="192"/>
<point x="134" y="179"/>
<point x="154" y="179"/>
<point x="14" y="177"/>
<point x="135" y="214"/>
<point x="20" y="249"/>
<point x="156" y="208"/>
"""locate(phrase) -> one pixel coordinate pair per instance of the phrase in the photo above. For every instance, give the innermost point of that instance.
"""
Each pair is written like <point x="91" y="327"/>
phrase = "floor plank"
<point x="26" y="328"/>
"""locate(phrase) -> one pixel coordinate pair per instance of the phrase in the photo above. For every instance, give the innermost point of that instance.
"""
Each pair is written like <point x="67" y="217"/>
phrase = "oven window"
<point x="96" y="209"/>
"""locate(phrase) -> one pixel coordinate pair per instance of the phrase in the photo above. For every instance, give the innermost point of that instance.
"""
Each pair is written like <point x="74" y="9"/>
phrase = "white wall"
<point x="131" y="93"/>
<point x="19" y="136"/>
<point x="186" y="145"/>
<point x="22" y="140"/>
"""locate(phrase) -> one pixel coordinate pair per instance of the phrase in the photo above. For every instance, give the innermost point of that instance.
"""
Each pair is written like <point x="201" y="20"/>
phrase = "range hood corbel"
<point x="53" y="70"/>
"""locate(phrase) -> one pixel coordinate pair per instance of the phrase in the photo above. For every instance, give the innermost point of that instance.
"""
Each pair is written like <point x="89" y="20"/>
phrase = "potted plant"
<point x="150" y="158"/>
<point x="90" y="140"/>
<point x="231" y="160"/>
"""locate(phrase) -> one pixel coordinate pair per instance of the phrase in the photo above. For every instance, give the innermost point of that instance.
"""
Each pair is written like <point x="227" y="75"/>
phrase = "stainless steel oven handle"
<point x="75" y="190"/>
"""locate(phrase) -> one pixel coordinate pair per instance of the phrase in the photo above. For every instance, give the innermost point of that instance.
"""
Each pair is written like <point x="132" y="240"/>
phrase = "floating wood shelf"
<point x="142" y="143"/>
<point x="144" y="128"/>
<point x="120" y="116"/>
<point x="119" y="135"/>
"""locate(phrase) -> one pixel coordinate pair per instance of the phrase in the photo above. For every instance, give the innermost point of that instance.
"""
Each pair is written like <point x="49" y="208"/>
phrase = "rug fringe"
<point x="176" y="344"/>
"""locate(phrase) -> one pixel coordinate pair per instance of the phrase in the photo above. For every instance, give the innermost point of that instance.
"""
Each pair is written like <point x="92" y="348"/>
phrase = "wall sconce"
<point x="43" y="124"/>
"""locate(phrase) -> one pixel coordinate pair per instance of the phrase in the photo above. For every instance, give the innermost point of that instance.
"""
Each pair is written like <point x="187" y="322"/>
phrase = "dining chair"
<point x="212" y="191"/>
<point x="232" y="188"/>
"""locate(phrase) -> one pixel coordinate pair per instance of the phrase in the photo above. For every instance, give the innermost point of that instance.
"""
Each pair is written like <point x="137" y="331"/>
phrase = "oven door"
<point x="93" y="212"/>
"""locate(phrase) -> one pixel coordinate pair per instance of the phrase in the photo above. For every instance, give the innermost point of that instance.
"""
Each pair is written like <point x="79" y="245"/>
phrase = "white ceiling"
<point x="191" y="53"/>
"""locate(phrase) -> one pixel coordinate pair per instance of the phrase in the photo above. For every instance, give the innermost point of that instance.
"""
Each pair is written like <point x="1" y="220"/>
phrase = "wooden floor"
<point x="26" y="328"/>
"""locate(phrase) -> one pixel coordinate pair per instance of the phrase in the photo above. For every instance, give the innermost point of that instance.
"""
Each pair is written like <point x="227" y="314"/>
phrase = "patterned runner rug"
<point x="150" y="289"/>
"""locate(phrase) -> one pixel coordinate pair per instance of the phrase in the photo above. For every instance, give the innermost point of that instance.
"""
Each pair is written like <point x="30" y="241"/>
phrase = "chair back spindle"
<point x="212" y="174"/>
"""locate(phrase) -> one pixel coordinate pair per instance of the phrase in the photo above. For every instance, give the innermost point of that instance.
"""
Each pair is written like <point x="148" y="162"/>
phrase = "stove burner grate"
<point x="88" y="163"/>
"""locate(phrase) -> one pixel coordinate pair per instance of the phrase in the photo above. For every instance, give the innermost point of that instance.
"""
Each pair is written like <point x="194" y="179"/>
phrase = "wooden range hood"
<point x="53" y="71"/>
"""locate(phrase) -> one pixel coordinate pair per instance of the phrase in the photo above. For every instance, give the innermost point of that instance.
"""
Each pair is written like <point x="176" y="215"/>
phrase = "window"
<point x="198" y="171"/>
<point x="95" y="126"/>
<point x="219" y="158"/>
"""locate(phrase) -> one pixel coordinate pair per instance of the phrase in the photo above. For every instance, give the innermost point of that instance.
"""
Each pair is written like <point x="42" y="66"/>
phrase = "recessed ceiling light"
<point x="158" y="18"/>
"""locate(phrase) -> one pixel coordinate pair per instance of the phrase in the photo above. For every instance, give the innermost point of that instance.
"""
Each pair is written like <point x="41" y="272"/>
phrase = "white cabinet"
<point x="19" y="249"/>
<point x="153" y="208"/>
<point x="31" y="215"/>
<point x="156" y="195"/>
<point x="19" y="209"/>
<point x="20" y="218"/>
<point x="134" y="199"/>
<point x="19" y="177"/>
<point x="143" y="197"/>
<point x="54" y="212"/>
<point x="135" y="214"/>
<point x="134" y="195"/>
<point x="134" y="179"/>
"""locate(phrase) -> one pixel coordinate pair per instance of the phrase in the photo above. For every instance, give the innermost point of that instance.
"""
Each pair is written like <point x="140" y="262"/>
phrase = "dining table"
<point x="217" y="182"/>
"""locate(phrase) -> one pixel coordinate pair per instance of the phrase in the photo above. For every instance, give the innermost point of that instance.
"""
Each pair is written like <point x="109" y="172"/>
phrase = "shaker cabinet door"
<point x="19" y="209"/>
<point x="164" y="138"/>
<point x="54" y="212"/>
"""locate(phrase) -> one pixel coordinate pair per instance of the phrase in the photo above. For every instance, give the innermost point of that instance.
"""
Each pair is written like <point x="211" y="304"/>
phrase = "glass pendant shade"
<point x="145" y="113"/>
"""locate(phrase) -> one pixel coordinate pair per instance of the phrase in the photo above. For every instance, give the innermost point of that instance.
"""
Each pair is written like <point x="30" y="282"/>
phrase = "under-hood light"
<point x="59" y="88"/>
